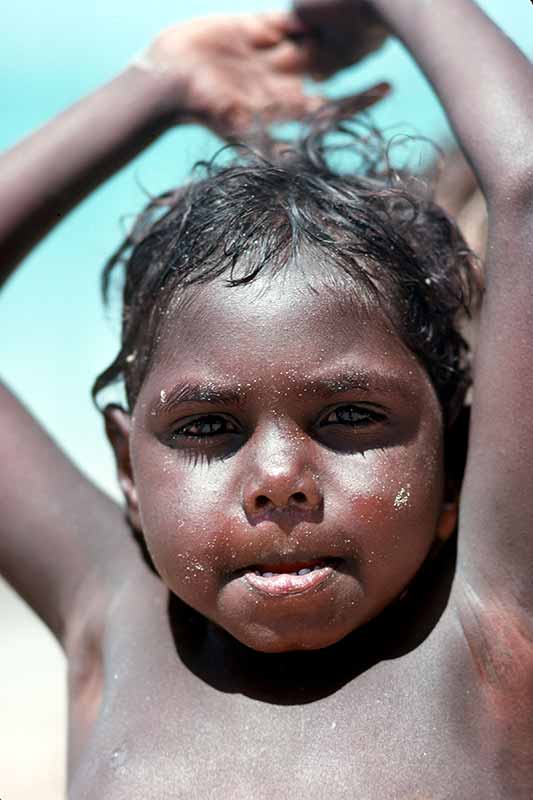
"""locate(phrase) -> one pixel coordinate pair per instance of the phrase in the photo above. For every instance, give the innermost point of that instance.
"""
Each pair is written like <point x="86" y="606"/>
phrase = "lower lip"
<point x="289" y="583"/>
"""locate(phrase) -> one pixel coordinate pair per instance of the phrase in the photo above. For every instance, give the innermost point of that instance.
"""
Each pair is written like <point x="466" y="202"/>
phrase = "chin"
<point x="271" y="641"/>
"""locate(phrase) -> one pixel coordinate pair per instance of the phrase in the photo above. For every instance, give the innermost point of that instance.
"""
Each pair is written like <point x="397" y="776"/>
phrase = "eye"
<point x="204" y="427"/>
<point x="351" y="415"/>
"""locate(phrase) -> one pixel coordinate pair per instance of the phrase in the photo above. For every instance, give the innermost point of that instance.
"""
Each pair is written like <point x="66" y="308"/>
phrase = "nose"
<point x="282" y="492"/>
<point x="281" y="482"/>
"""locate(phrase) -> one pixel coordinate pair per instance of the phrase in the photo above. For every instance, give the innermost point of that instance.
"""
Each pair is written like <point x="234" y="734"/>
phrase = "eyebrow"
<point x="196" y="393"/>
<point x="366" y="381"/>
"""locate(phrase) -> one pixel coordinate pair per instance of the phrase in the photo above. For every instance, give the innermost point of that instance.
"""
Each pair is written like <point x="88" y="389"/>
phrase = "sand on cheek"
<point x="395" y="511"/>
<point x="188" y="537"/>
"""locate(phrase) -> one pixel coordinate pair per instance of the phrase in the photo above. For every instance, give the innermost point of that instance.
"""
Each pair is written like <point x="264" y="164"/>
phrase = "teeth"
<point x="303" y="571"/>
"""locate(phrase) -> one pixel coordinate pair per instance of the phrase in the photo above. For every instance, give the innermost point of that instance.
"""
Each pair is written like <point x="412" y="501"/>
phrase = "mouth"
<point x="285" y="579"/>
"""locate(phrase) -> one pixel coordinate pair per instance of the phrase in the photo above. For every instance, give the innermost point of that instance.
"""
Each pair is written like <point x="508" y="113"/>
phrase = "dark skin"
<point x="340" y="453"/>
<point x="333" y="456"/>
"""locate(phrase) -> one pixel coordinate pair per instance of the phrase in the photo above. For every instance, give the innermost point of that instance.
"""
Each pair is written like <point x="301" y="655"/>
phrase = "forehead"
<point x="284" y="328"/>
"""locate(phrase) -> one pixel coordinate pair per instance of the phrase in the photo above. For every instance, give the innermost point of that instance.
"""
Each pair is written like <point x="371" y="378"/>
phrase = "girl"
<point x="294" y="376"/>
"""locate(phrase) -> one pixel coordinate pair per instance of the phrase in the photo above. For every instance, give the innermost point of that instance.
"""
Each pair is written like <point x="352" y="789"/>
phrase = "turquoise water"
<point x="54" y="336"/>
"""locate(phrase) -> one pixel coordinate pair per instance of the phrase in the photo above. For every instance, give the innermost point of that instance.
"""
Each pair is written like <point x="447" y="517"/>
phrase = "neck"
<point x="303" y="676"/>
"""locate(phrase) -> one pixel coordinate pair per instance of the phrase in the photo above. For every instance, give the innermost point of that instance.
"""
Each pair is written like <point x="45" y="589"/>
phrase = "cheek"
<point x="181" y="516"/>
<point x="393" y="504"/>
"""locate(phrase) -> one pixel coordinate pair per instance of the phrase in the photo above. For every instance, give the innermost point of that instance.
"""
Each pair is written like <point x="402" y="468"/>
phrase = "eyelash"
<point x="364" y="416"/>
<point x="205" y="420"/>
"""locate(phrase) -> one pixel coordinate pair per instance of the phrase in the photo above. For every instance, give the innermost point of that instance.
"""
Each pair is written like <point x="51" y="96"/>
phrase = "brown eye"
<point x="205" y="427"/>
<point x="353" y="416"/>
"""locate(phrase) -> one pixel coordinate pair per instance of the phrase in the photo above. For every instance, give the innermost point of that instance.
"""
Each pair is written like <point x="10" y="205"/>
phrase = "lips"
<point x="295" y="567"/>
<point x="286" y="579"/>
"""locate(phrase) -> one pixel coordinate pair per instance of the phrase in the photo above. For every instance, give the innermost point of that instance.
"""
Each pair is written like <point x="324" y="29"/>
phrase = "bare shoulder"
<point x="57" y="530"/>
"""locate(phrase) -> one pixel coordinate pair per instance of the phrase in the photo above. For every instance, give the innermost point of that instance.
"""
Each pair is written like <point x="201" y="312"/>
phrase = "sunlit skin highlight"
<point x="275" y="429"/>
<point x="287" y="427"/>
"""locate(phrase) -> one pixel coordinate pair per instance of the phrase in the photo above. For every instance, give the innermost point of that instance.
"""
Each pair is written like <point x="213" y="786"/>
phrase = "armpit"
<point x="499" y="638"/>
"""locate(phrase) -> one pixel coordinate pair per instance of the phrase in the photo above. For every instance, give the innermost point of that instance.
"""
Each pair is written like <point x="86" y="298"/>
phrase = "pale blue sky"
<point x="54" y="337"/>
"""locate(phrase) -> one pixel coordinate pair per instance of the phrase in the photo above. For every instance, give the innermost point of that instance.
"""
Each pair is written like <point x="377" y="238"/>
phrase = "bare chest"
<point x="397" y="742"/>
<point x="418" y="727"/>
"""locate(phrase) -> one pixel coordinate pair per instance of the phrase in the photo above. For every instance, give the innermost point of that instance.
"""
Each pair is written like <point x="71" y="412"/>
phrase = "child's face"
<point x="281" y="429"/>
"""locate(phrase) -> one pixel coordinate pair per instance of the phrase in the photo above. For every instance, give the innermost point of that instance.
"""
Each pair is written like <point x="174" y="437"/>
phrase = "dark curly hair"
<point x="375" y="225"/>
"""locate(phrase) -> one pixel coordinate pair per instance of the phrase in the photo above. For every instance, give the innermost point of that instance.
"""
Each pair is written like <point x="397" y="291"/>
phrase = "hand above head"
<point x="224" y="72"/>
<point x="232" y="71"/>
<point x="345" y="31"/>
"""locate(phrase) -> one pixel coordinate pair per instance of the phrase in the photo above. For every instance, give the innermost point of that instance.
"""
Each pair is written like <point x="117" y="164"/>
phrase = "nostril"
<point x="299" y="497"/>
<point x="261" y="501"/>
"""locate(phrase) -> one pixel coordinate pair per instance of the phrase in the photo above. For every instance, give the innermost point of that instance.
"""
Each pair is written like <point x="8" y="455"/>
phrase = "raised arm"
<point x="219" y="71"/>
<point x="486" y="86"/>
<point x="482" y="78"/>
<point x="56" y="530"/>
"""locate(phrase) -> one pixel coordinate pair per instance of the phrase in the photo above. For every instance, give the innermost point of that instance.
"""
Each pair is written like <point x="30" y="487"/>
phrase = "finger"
<point x="297" y="105"/>
<point x="289" y="102"/>
<point x="292" y="58"/>
<point x="286" y="23"/>
<point x="268" y="30"/>
<point x="361" y="101"/>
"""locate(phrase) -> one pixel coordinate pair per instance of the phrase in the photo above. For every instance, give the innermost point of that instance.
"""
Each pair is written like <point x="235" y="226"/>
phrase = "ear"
<point x="456" y="445"/>
<point x="448" y="518"/>
<point x="117" y="426"/>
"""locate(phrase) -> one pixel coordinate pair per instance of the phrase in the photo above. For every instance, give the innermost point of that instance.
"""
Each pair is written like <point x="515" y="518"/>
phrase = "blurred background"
<point x="54" y="334"/>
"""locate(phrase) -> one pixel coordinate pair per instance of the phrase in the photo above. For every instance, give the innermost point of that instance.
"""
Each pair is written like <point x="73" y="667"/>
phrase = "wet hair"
<point x="337" y="199"/>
